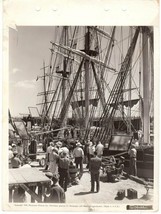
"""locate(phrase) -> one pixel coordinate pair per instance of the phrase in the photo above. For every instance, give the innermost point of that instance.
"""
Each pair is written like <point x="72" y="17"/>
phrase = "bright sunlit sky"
<point x="28" y="47"/>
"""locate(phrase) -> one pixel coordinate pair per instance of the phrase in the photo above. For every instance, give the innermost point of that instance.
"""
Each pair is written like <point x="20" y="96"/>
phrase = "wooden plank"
<point x="34" y="175"/>
<point x="12" y="180"/>
<point x="15" y="173"/>
<point x="26" y="175"/>
<point x="33" y="194"/>
<point x="30" y="175"/>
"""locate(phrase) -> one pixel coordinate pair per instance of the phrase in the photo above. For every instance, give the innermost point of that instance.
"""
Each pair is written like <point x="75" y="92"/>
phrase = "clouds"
<point x="26" y="84"/>
<point x="16" y="70"/>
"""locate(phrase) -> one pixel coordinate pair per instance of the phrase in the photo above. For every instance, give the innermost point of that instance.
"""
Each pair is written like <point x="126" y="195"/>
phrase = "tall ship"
<point x="99" y="85"/>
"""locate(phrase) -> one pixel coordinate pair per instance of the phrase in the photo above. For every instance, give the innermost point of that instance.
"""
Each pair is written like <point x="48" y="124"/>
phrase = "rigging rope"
<point x="114" y="97"/>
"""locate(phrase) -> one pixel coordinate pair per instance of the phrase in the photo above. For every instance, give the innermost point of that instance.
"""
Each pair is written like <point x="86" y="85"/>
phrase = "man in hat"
<point x="54" y="194"/>
<point x="78" y="154"/>
<point x="95" y="165"/>
<point x="133" y="155"/>
<point x="15" y="161"/>
<point x="64" y="149"/>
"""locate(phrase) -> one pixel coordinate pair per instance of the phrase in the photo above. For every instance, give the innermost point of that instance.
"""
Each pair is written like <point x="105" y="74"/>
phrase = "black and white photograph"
<point x="81" y="119"/>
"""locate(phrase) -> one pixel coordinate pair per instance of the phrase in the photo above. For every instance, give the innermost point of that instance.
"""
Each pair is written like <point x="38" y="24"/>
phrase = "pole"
<point x="129" y="95"/>
<point x="146" y="107"/>
<point x="87" y="83"/>
<point x="45" y="96"/>
<point x="64" y="75"/>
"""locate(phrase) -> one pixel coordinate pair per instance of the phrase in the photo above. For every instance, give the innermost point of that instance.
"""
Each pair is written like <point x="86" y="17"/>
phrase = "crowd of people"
<point x="64" y="166"/>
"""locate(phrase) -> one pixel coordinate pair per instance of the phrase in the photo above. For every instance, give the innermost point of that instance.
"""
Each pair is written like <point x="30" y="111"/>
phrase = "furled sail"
<point x="79" y="103"/>
<point x="126" y="103"/>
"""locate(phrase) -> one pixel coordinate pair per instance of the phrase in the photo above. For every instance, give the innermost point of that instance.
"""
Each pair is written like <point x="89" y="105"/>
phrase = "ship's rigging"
<point x="87" y="78"/>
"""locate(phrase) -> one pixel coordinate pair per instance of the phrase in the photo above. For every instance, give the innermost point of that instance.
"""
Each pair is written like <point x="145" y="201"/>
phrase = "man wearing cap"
<point x="15" y="161"/>
<point x="78" y="154"/>
<point x="95" y="165"/>
<point x="55" y="194"/>
<point x="133" y="154"/>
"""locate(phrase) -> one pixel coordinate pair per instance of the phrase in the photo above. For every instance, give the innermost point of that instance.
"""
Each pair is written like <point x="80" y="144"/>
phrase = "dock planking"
<point x="26" y="175"/>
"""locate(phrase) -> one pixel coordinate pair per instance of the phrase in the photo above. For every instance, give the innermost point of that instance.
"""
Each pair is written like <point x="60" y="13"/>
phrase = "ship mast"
<point x="146" y="94"/>
<point x="129" y="94"/>
<point x="87" y="83"/>
<point x="64" y="72"/>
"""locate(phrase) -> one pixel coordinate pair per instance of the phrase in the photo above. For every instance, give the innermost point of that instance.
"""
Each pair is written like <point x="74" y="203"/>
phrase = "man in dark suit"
<point x="95" y="165"/>
<point x="63" y="168"/>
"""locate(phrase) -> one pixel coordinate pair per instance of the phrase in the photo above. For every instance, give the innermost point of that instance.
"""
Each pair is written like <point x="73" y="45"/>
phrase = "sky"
<point x="28" y="47"/>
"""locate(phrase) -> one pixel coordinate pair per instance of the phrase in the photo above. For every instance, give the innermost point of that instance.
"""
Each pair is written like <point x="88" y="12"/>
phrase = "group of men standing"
<point x="59" y="157"/>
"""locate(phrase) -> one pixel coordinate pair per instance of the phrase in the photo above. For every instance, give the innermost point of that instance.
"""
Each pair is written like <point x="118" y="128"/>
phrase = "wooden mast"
<point x="129" y="94"/>
<point x="87" y="82"/>
<point x="64" y="75"/>
<point x="146" y="94"/>
<point x="45" y="96"/>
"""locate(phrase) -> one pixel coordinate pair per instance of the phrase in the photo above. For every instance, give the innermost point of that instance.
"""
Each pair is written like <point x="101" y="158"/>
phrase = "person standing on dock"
<point x="92" y="149"/>
<point x="86" y="154"/>
<point x="48" y="154"/>
<point x="53" y="164"/>
<point x="133" y="155"/>
<point x="63" y="168"/>
<point x="95" y="165"/>
<point x="99" y="149"/>
<point x="78" y="154"/>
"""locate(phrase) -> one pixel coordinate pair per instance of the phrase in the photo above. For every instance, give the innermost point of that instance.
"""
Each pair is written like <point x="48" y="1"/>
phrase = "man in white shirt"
<point x="48" y="154"/>
<point x="133" y="155"/>
<point x="91" y="149"/>
<point x="99" y="149"/>
<point x="78" y="154"/>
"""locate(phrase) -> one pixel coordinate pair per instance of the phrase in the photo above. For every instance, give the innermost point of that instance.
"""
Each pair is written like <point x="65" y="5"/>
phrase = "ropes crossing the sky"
<point x="108" y="113"/>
